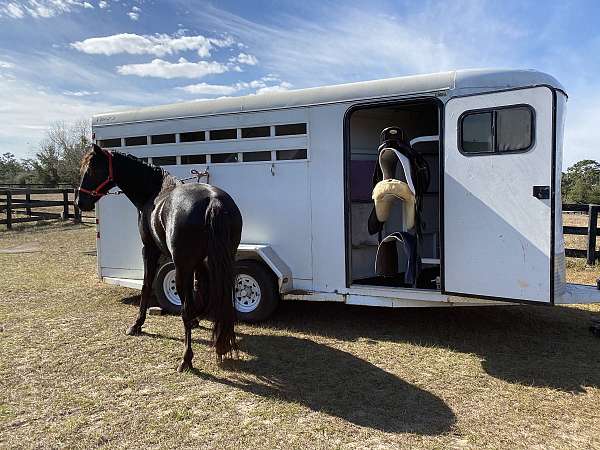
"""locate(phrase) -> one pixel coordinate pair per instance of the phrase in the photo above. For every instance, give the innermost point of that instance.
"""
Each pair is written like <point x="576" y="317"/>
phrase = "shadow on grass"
<point x="334" y="382"/>
<point x="529" y="345"/>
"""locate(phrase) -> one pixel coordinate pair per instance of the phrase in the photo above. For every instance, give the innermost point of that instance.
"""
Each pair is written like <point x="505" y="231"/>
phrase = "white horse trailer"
<point x="299" y="165"/>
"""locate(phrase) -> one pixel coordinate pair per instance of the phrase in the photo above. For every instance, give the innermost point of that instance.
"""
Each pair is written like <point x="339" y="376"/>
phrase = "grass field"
<point x="315" y="376"/>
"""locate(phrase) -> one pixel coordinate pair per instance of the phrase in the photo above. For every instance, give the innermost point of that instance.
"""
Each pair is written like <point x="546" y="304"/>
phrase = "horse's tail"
<point x="220" y="261"/>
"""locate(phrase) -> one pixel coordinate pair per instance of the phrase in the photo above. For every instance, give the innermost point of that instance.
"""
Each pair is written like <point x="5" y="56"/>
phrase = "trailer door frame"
<point x="509" y="258"/>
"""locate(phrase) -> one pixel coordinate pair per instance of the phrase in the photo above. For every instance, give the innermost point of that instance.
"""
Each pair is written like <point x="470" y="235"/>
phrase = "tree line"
<point x="59" y="154"/>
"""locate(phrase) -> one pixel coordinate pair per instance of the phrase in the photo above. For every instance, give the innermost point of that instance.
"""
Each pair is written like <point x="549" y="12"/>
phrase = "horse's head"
<point x="96" y="178"/>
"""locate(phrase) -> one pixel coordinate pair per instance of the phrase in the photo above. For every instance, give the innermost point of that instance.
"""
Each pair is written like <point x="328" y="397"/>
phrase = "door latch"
<point x="541" y="192"/>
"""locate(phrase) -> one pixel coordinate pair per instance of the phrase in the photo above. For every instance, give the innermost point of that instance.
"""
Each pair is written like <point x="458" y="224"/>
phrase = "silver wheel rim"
<point x="247" y="293"/>
<point x="170" y="289"/>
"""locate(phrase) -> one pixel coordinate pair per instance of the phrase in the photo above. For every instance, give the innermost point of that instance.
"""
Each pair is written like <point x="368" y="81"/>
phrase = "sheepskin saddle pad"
<point x="384" y="194"/>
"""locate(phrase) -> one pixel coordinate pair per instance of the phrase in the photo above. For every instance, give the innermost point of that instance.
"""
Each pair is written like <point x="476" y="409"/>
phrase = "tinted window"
<point x="283" y="155"/>
<point x="217" y="135"/>
<point x="136" y="140"/>
<point x="290" y="128"/>
<point x="256" y="156"/>
<point x="110" y="143"/>
<point x="498" y="130"/>
<point x="255" y="132"/>
<point x="162" y="139"/>
<point x="477" y="135"/>
<point x="164" y="160"/>
<point x="514" y="129"/>
<point x="193" y="159"/>
<point x="193" y="136"/>
<point x="224" y="158"/>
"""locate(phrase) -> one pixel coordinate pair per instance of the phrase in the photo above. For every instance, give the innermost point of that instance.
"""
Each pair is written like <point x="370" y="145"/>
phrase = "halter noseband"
<point x="96" y="192"/>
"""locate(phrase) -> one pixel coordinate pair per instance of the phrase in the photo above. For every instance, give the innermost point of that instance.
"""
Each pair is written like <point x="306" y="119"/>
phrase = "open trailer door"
<point x="497" y="195"/>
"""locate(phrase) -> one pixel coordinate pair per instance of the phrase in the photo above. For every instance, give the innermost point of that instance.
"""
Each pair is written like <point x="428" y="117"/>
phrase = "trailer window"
<point x="192" y="136"/>
<point x="504" y="129"/>
<point x="162" y="139"/>
<point x="256" y="156"/>
<point x="285" y="155"/>
<point x="255" y="132"/>
<point x="290" y="129"/>
<point x="164" y="160"/>
<point x="193" y="159"/>
<point x="218" y="158"/>
<point x="110" y="143"/>
<point x="217" y="135"/>
<point x="136" y="140"/>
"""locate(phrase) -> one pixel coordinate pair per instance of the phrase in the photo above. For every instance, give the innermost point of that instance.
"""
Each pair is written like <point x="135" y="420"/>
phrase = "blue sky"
<point x="68" y="59"/>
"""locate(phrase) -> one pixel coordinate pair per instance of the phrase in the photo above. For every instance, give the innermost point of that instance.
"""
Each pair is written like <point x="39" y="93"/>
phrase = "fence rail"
<point x="18" y="206"/>
<point x="591" y="231"/>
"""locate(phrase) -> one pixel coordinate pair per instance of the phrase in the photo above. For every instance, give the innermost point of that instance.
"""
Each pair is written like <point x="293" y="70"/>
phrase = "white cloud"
<point x="284" y="86"/>
<point x="40" y="8"/>
<point x="209" y="89"/>
<point x="102" y="4"/>
<point x="157" y="45"/>
<point x="181" y="69"/>
<point x="133" y="15"/>
<point x="6" y="65"/>
<point x="244" y="58"/>
<point x="80" y="93"/>
<point x="260" y="86"/>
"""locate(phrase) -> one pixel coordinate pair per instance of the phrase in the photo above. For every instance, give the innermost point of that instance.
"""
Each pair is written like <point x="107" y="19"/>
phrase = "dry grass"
<point x="316" y="376"/>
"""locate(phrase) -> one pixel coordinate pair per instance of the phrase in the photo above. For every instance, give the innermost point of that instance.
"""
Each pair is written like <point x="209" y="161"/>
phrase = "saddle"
<point x="394" y="150"/>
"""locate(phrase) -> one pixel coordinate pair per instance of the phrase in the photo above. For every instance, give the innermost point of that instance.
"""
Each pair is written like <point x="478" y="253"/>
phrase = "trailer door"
<point x="497" y="195"/>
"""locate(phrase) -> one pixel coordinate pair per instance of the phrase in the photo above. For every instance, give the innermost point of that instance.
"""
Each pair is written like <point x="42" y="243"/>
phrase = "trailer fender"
<point x="264" y="253"/>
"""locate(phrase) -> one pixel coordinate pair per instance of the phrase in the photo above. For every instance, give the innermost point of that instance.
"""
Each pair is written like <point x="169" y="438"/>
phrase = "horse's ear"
<point x="96" y="148"/>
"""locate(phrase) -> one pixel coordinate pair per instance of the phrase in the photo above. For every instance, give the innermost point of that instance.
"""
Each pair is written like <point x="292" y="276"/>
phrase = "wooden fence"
<point x="19" y="207"/>
<point x="591" y="231"/>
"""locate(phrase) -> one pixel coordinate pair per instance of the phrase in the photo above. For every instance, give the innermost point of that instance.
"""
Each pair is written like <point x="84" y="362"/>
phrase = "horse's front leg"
<point x="185" y="284"/>
<point x="150" y="255"/>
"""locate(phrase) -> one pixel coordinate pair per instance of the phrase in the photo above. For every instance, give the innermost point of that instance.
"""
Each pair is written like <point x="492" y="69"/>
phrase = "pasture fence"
<point x="19" y="206"/>
<point x="591" y="231"/>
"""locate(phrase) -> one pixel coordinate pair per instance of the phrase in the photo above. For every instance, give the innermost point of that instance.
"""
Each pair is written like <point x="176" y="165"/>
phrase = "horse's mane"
<point x="87" y="158"/>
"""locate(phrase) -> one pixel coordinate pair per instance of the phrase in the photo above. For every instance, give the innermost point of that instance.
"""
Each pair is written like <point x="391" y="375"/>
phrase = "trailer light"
<point x="97" y="235"/>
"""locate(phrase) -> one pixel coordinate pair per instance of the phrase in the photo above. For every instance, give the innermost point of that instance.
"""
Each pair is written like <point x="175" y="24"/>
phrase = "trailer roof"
<point x="455" y="83"/>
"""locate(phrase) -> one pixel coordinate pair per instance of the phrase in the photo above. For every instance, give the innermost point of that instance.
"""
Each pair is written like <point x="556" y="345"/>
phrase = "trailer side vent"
<point x="218" y="135"/>
<point x="193" y="159"/>
<point x="164" y="160"/>
<point x="256" y="156"/>
<point x="290" y="129"/>
<point x="255" y="132"/>
<point x="192" y="136"/>
<point x="285" y="155"/>
<point x="218" y="158"/>
<point x="136" y="140"/>
<point x="162" y="139"/>
<point x="110" y="143"/>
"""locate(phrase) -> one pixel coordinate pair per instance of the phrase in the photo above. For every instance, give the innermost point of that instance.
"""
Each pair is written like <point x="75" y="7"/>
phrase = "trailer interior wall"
<point x="416" y="119"/>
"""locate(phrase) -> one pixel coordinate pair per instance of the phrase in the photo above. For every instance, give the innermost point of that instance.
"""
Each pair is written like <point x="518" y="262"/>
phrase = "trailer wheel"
<point x="255" y="292"/>
<point x="165" y="290"/>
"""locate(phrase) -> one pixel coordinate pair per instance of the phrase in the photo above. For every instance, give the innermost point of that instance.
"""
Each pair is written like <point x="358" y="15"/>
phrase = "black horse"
<point x="199" y="226"/>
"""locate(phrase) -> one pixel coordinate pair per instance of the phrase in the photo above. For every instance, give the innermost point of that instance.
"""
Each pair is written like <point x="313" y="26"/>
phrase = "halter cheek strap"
<point x="96" y="192"/>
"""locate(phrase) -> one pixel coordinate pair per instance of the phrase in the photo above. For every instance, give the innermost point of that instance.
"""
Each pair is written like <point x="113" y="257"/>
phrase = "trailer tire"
<point x="255" y="292"/>
<point x="164" y="289"/>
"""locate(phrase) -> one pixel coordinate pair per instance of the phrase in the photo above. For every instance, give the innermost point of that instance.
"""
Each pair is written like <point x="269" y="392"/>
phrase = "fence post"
<point x="76" y="211"/>
<point x="592" y="226"/>
<point x="8" y="210"/>
<point x="65" y="214"/>
<point x="28" y="201"/>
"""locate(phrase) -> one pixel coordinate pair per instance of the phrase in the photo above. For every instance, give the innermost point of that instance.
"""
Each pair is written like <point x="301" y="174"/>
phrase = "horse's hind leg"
<point x="184" y="281"/>
<point x="150" y="255"/>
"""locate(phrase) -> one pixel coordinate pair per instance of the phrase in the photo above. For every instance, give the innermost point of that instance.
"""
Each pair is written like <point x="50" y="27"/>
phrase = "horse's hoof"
<point x="184" y="366"/>
<point x="134" y="331"/>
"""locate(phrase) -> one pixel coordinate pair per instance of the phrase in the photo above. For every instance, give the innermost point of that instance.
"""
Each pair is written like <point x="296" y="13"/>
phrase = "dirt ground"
<point x="315" y="376"/>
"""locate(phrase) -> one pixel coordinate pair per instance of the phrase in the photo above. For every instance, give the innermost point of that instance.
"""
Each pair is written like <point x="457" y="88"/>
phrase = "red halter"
<point x="96" y="192"/>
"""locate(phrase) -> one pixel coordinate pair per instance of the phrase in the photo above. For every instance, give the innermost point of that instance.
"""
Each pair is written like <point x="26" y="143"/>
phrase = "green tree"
<point x="581" y="182"/>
